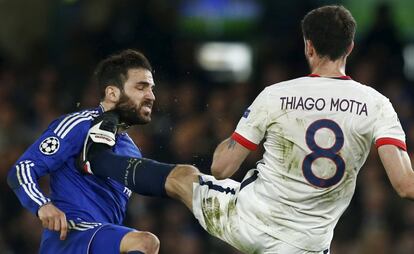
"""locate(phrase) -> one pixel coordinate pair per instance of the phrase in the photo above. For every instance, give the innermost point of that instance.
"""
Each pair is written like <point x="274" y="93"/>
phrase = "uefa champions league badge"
<point x="49" y="146"/>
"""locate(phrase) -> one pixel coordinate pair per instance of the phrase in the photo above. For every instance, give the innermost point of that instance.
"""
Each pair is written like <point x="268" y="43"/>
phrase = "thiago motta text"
<point x="332" y="104"/>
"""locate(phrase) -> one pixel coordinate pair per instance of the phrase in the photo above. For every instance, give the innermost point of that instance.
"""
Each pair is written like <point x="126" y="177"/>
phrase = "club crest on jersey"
<point x="246" y="113"/>
<point x="49" y="146"/>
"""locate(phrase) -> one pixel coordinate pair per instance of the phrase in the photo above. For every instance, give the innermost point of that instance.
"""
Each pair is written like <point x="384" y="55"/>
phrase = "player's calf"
<point x="140" y="242"/>
<point x="179" y="183"/>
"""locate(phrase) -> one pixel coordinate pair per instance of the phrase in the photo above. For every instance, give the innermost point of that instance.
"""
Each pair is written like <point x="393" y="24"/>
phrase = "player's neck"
<point x="326" y="68"/>
<point x="107" y="105"/>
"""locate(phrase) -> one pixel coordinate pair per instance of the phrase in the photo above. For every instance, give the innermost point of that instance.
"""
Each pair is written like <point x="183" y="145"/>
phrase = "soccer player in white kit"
<point x="317" y="132"/>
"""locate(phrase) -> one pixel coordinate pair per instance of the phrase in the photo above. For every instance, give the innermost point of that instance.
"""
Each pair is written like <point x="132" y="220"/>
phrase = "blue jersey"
<point x="84" y="198"/>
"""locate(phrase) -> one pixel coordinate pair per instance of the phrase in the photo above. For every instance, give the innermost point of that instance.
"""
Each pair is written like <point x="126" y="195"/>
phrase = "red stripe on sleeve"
<point x="243" y="141"/>
<point x="391" y="141"/>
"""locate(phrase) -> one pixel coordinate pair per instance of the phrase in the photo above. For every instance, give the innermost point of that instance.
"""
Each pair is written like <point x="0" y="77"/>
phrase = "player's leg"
<point x="108" y="239"/>
<point x="75" y="242"/>
<point x="113" y="239"/>
<point x="215" y="207"/>
<point x="180" y="183"/>
<point x="274" y="245"/>
<point x="144" y="176"/>
<point x="139" y="243"/>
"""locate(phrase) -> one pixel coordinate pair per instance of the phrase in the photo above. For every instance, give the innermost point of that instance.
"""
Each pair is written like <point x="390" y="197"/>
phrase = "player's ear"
<point x="112" y="94"/>
<point x="350" y="48"/>
<point x="309" y="49"/>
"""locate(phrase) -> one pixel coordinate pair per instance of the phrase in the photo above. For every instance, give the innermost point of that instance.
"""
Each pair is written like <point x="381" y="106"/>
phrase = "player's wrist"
<point x="43" y="206"/>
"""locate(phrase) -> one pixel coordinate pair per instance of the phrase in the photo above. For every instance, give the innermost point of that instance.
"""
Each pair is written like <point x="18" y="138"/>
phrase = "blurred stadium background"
<point x="211" y="58"/>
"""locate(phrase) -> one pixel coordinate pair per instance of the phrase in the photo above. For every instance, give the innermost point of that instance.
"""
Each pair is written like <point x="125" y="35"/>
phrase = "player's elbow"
<point x="12" y="179"/>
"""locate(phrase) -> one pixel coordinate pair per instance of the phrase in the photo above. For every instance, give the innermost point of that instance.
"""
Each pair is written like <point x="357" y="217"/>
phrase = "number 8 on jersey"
<point x="320" y="152"/>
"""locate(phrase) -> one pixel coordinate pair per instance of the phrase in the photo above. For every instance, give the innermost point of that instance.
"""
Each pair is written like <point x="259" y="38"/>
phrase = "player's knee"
<point x="186" y="171"/>
<point x="183" y="175"/>
<point x="142" y="241"/>
<point x="151" y="242"/>
<point x="181" y="179"/>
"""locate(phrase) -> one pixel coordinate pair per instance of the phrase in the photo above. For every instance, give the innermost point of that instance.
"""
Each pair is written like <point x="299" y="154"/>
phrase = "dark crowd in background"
<point x="47" y="56"/>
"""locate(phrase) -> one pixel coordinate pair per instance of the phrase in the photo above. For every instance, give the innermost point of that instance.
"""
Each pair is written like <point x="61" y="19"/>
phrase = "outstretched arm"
<point x="227" y="158"/>
<point x="398" y="167"/>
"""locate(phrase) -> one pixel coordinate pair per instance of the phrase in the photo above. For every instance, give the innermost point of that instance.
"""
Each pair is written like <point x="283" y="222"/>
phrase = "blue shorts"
<point x="105" y="238"/>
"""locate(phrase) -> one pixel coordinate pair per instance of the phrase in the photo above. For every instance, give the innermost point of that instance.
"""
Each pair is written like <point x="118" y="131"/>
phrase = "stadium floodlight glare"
<point x="227" y="61"/>
<point x="408" y="54"/>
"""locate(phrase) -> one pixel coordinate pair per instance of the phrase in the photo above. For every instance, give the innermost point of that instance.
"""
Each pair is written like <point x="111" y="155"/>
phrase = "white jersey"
<point x="318" y="133"/>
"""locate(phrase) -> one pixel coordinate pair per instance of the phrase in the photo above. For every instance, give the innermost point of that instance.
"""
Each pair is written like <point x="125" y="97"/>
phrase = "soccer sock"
<point x="143" y="176"/>
<point x="135" y="252"/>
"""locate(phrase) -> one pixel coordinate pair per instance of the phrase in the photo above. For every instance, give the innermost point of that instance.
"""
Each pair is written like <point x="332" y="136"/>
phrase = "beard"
<point x="130" y="113"/>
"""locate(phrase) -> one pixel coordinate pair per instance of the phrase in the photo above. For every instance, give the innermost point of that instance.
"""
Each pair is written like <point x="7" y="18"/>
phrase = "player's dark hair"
<point x="113" y="70"/>
<point x="331" y="29"/>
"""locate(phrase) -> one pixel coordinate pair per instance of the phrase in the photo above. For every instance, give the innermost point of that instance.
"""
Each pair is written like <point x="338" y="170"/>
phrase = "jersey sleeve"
<point x="253" y="124"/>
<point x="63" y="139"/>
<point x="388" y="130"/>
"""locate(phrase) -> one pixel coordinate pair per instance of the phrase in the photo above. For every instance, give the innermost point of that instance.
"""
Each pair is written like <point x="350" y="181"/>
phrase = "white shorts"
<point x="214" y="206"/>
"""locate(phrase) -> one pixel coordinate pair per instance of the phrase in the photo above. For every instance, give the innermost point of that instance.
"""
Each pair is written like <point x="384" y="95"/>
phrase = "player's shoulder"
<point x="369" y="92"/>
<point x="358" y="87"/>
<point x="78" y="120"/>
<point x="277" y="88"/>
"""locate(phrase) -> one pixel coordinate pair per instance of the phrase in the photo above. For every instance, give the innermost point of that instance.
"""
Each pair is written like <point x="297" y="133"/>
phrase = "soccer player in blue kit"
<point x="83" y="213"/>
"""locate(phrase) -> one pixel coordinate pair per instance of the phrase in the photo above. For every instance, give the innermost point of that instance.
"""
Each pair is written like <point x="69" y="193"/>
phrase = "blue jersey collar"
<point x="100" y="108"/>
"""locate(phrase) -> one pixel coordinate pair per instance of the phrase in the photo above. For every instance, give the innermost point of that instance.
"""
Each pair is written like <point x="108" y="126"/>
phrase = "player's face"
<point x="137" y="98"/>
